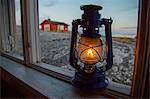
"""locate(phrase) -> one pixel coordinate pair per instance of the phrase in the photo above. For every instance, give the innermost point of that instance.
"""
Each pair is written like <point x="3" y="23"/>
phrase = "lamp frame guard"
<point x="97" y="80"/>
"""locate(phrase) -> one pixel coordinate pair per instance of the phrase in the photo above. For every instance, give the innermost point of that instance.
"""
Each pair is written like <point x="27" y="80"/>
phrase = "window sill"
<point x="47" y="85"/>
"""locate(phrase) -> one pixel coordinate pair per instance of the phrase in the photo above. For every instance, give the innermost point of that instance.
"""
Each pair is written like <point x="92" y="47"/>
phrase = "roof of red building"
<point x="54" y="22"/>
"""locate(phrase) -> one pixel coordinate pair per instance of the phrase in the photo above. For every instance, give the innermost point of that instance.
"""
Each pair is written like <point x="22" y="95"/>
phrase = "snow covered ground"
<point x="55" y="49"/>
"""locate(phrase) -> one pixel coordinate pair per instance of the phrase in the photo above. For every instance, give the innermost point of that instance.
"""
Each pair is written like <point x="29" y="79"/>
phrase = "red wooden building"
<point x="54" y="26"/>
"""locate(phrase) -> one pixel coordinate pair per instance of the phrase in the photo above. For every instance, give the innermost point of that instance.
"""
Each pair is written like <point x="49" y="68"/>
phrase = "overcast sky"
<point x="123" y="12"/>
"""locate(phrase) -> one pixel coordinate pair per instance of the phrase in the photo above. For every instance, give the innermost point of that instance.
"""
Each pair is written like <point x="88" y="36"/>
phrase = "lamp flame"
<point x="90" y="53"/>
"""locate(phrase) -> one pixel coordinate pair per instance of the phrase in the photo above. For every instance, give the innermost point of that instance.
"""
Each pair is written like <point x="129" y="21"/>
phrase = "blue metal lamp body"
<point x="91" y="22"/>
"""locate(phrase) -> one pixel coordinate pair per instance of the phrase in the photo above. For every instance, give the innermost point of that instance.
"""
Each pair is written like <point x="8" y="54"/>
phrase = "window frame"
<point x="30" y="29"/>
<point x="142" y="56"/>
<point x="8" y="14"/>
<point x="31" y="48"/>
<point x="3" y="26"/>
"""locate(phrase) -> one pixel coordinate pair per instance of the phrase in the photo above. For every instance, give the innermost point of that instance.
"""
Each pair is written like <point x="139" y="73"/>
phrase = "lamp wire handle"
<point x="107" y="23"/>
<point x="73" y="59"/>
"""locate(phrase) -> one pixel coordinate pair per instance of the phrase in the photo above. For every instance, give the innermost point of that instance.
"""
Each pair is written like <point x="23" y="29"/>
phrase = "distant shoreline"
<point x="127" y="40"/>
<point x="124" y="35"/>
<point x="113" y="34"/>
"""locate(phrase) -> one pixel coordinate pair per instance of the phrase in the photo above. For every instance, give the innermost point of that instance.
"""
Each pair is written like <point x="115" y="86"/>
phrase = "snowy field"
<point x="55" y="49"/>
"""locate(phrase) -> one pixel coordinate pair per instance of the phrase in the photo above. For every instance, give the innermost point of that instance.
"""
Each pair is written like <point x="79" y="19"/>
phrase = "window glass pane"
<point x="11" y="31"/>
<point x="55" y="17"/>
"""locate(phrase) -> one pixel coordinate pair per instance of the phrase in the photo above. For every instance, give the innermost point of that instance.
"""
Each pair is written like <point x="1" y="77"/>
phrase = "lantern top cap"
<point x="90" y="7"/>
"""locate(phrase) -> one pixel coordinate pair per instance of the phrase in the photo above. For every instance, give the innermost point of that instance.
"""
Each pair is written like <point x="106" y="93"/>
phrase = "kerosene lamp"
<point x="87" y="48"/>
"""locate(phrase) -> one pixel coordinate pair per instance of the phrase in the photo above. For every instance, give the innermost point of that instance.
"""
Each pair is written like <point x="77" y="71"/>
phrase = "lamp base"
<point x="95" y="81"/>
